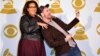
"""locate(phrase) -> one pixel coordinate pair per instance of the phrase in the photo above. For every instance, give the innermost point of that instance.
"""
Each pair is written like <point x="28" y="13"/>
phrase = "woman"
<point x="31" y="42"/>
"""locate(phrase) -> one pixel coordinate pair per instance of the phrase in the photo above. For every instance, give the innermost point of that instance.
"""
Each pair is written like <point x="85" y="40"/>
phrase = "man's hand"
<point x="77" y="14"/>
<point x="68" y="37"/>
<point x="43" y="25"/>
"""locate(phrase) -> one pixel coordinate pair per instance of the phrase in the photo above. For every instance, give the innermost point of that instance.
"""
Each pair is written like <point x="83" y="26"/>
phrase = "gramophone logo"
<point x="7" y="53"/>
<point x="98" y="51"/>
<point x="97" y="9"/>
<point x="80" y="33"/>
<point x="55" y="7"/>
<point x="10" y="31"/>
<point x="98" y="29"/>
<point x="8" y="7"/>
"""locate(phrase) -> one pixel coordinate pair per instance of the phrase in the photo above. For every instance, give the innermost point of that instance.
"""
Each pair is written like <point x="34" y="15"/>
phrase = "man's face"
<point x="46" y="13"/>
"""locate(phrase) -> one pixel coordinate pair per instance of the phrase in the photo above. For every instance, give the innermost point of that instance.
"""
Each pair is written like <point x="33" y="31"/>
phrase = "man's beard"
<point x="48" y="17"/>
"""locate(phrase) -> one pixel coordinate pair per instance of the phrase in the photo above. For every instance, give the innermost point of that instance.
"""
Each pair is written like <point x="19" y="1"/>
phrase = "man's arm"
<point x="70" y="25"/>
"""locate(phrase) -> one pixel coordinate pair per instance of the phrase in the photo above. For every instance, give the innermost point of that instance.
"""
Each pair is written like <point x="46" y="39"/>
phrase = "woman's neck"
<point x="32" y="15"/>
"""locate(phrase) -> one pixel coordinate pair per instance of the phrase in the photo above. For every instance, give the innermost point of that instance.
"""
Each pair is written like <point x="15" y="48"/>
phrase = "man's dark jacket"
<point x="55" y="39"/>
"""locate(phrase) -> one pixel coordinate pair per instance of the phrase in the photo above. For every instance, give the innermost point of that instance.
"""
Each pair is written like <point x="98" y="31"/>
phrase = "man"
<point x="57" y="36"/>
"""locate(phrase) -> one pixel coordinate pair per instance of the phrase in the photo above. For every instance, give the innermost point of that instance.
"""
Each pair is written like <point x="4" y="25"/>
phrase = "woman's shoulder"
<point x="24" y="16"/>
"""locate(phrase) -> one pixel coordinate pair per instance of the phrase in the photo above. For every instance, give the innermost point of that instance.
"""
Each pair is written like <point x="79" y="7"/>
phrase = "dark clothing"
<point x="56" y="39"/>
<point x="31" y="48"/>
<point x="29" y="27"/>
<point x="31" y="42"/>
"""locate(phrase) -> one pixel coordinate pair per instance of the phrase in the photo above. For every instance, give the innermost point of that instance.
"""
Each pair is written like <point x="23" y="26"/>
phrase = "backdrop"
<point x="86" y="33"/>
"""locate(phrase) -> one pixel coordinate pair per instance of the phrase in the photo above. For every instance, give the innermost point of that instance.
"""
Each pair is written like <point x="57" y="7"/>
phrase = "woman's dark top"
<point x="29" y="28"/>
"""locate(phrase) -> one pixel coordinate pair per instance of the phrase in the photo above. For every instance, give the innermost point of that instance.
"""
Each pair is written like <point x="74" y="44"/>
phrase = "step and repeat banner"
<point x="86" y="33"/>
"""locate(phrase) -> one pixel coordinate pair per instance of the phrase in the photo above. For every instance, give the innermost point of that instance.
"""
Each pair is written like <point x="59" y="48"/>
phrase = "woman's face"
<point x="32" y="9"/>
